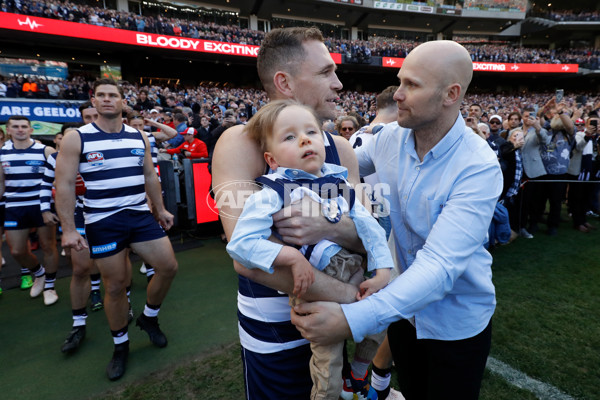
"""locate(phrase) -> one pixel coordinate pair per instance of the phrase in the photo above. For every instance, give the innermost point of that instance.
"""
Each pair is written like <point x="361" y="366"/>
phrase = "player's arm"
<point x="153" y="189"/>
<point x="67" y="166"/>
<point x="165" y="133"/>
<point x="237" y="161"/>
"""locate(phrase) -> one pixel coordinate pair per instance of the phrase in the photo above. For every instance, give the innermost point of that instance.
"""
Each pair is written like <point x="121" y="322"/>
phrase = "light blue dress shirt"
<point x="441" y="209"/>
<point x="249" y="244"/>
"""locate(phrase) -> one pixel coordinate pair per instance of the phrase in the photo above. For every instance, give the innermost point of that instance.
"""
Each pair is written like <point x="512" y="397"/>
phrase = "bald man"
<point x="444" y="184"/>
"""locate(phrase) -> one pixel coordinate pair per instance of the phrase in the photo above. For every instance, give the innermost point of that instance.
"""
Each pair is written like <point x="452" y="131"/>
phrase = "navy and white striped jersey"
<point x="47" y="183"/>
<point x="23" y="172"/>
<point x="111" y="165"/>
<point x="264" y="313"/>
<point x="153" y="150"/>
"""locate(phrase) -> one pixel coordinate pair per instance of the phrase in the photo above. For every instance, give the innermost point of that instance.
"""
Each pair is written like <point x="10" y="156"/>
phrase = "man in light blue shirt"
<point x="444" y="184"/>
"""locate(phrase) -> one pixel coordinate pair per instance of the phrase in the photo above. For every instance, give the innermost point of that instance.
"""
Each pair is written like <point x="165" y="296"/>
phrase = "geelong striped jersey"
<point x="153" y="150"/>
<point x="264" y="313"/>
<point x="48" y="183"/>
<point x="111" y="165"/>
<point x="23" y="172"/>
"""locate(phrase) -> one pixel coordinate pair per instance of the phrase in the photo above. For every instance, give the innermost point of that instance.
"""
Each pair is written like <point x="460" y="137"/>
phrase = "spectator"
<point x="555" y="156"/>
<point x="53" y="90"/>
<point x="191" y="147"/>
<point x="346" y="126"/>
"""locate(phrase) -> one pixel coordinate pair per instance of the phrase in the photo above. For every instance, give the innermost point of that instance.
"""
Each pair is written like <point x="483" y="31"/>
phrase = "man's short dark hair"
<point x="85" y="106"/>
<point x="385" y="99"/>
<point x="518" y="114"/>
<point x="107" y="81"/>
<point x="282" y="49"/>
<point x="69" y="125"/>
<point x="18" y="118"/>
<point x="179" y="117"/>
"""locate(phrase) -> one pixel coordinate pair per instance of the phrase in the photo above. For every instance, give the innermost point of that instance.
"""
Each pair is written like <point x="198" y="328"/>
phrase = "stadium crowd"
<point x="544" y="142"/>
<point x="567" y="15"/>
<point x="210" y="110"/>
<point x="201" y="27"/>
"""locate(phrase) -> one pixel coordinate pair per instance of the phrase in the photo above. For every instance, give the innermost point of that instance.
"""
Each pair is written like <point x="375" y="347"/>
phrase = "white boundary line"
<point x="517" y="378"/>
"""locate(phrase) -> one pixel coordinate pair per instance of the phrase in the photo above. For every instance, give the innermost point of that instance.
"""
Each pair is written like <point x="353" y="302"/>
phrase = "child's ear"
<point x="271" y="161"/>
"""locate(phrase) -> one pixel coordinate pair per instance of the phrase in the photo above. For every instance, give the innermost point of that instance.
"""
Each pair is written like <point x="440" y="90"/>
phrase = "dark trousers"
<point x="579" y="200"/>
<point x="555" y="193"/>
<point x="437" y="369"/>
<point x="528" y="204"/>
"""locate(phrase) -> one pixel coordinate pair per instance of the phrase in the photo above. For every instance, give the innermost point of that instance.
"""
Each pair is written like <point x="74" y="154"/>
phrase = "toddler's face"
<point x="296" y="142"/>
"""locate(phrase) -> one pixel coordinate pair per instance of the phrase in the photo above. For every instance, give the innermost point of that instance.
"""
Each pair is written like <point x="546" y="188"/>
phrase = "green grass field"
<point x="546" y="325"/>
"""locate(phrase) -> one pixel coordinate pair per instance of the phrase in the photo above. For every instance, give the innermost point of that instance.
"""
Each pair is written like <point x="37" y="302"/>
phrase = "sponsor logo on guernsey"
<point x="137" y="152"/>
<point x="10" y="224"/>
<point x="34" y="162"/>
<point x="5" y="164"/>
<point x="104" y="248"/>
<point x="95" y="158"/>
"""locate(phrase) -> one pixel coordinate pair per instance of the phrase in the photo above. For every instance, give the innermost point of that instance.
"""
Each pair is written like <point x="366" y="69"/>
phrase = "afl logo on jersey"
<point x="95" y="158"/>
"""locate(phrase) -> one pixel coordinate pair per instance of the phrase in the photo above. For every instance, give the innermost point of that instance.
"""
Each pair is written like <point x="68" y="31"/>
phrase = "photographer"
<point x="190" y="148"/>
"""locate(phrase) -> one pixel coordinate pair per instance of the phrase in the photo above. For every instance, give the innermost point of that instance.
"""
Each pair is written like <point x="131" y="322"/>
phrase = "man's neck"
<point x="22" y="144"/>
<point x="109" y="125"/>
<point x="426" y="138"/>
<point x="385" y="116"/>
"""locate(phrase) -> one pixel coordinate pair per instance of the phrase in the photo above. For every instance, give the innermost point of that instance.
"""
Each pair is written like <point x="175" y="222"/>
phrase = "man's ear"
<point x="283" y="83"/>
<point x="271" y="161"/>
<point x="452" y="94"/>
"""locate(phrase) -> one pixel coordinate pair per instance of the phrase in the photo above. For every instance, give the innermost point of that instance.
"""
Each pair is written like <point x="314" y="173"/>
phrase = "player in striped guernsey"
<point x="89" y="114"/>
<point x="292" y="63"/>
<point x="2" y="203"/>
<point x="81" y="263"/>
<point x="115" y="163"/>
<point x="22" y="164"/>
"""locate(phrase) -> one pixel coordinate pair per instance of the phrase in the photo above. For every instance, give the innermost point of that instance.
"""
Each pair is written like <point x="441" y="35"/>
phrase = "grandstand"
<point x="507" y="33"/>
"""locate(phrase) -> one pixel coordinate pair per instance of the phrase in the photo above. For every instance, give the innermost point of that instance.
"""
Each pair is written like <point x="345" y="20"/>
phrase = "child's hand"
<point x="304" y="277"/>
<point x="373" y="285"/>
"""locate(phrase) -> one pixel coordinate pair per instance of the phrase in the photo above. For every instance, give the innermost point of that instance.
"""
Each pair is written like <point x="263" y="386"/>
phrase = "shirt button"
<point x="404" y="197"/>
<point x="418" y="168"/>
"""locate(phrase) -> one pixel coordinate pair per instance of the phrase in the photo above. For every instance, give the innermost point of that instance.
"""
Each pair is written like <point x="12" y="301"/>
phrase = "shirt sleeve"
<point x="176" y="149"/>
<point x="366" y="166"/>
<point x="249" y="244"/>
<point x="457" y="234"/>
<point x="372" y="236"/>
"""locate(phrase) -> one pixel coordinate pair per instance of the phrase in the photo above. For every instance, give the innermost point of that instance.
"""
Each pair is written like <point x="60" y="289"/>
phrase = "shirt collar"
<point x="326" y="169"/>
<point x="453" y="135"/>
